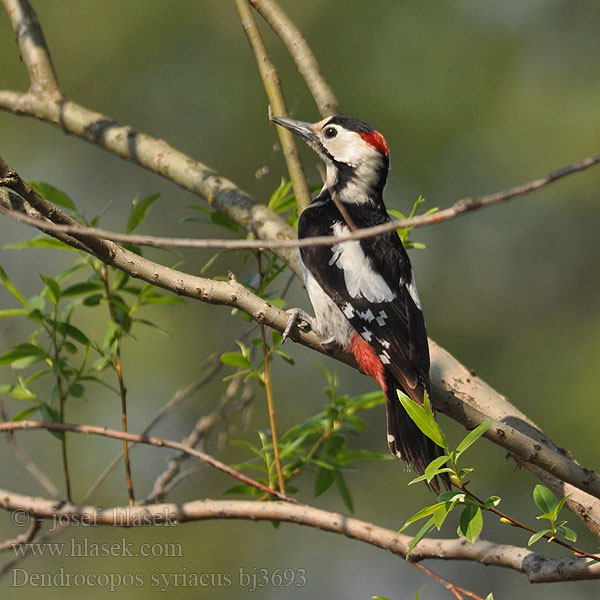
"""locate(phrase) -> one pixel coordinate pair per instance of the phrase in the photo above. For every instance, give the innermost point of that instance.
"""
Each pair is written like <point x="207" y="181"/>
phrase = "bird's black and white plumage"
<point x="363" y="291"/>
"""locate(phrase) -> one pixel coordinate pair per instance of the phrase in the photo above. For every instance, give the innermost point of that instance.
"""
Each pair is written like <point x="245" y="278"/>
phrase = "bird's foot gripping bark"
<point x="297" y="317"/>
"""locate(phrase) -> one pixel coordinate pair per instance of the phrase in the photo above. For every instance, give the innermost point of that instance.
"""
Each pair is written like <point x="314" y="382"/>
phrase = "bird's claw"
<point x="297" y="317"/>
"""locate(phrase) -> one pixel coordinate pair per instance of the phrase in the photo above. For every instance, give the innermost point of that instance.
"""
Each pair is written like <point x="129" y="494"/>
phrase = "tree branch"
<point x="272" y="85"/>
<point x="456" y="390"/>
<point x="33" y="48"/>
<point x="538" y="568"/>
<point x="459" y="208"/>
<point x="300" y="51"/>
<point x="142" y="439"/>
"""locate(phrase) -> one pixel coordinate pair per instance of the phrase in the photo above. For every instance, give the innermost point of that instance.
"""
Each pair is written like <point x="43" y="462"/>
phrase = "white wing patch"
<point x="412" y="290"/>
<point x="367" y="334"/>
<point x="367" y="315"/>
<point x="359" y="276"/>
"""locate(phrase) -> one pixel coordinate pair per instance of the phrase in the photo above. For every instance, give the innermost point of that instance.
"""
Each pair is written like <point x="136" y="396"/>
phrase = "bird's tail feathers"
<point x="406" y="440"/>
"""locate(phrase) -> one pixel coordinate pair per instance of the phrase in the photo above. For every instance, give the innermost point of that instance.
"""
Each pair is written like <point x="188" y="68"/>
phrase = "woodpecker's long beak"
<point x="304" y="130"/>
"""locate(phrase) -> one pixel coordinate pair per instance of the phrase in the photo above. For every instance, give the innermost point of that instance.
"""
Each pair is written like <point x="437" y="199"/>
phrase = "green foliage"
<point x="139" y="210"/>
<point x="470" y="520"/>
<point x="551" y="507"/>
<point x="52" y="194"/>
<point x="317" y="446"/>
<point x="403" y="233"/>
<point x="59" y="354"/>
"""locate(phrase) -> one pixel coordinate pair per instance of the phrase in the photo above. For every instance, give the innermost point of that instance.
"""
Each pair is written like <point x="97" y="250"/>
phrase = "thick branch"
<point x="455" y="389"/>
<point x="161" y="158"/>
<point x="458" y="209"/>
<point x="538" y="568"/>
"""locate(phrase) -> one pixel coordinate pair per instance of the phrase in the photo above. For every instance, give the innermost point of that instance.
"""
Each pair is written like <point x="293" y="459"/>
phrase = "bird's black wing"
<point x="370" y="280"/>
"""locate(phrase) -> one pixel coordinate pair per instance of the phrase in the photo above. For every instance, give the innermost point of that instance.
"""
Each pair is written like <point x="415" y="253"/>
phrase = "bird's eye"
<point x="330" y="132"/>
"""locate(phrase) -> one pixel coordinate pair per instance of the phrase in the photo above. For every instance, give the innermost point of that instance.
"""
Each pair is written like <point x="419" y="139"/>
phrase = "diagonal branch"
<point x="538" y="568"/>
<point x="300" y="51"/>
<point x="459" y="208"/>
<point x="455" y="389"/>
<point x="27" y="425"/>
<point x="272" y="85"/>
<point x="33" y="48"/>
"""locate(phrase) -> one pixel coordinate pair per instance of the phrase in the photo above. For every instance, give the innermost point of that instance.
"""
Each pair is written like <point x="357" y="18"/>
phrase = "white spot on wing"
<point x="390" y="438"/>
<point x="367" y="315"/>
<point x="385" y="358"/>
<point x="412" y="290"/>
<point x="381" y="318"/>
<point x="384" y="343"/>
<point x="348" y="310"/>
<point x="359" y="276"/>
<point x="367" y="334"/>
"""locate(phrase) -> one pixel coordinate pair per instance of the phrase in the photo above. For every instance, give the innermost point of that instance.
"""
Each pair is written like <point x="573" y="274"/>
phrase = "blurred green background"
<point x="472" y="97"/>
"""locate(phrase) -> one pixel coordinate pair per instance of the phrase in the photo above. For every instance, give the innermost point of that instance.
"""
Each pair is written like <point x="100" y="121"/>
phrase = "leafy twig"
<point x="272" y="85"/>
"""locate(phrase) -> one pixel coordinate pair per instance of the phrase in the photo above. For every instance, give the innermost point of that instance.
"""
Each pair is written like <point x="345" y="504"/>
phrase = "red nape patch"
<point x="376" y="140"/>
<point x="367" y="360"/>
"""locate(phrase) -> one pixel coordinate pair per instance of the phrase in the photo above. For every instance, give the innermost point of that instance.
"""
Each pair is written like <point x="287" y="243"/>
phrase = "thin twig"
<point x="272" y="85"/>
<point x="508" y="520"/>
<point x="26" y="461"/>
<point x="456" y="590"/>
<point x="201" y="429"/>
<point x="213" y="365"/>
<point x="271" y="409"/>
<point x="117" y="364"/>
<point x="24" y="538"/>
<point x="300" y="51"/>
<point x="27" y="425"/>
<point x="459" y="208"/>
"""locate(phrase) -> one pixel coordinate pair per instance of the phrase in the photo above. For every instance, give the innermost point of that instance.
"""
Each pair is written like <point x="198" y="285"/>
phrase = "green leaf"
<point x="536" y="536"/>
<point x="470" y="523"/>
<point x="472" y="437"/>
<point x="439" y="516"/>
<point x="323" y="481"/>
<point x="12" y="312"/>
<point x="420" y="535"/>
<point x="235" y="359"/>
<point x="49" y="414"/>
<point x="52" y="289"/>
<point x="544" y="498"/>
<point x="491" y="502"/>
<point x="433" y="467"/>
<point x="420" y="514"/>
<point x="44" y="242"/>
<point x="67" y="329"/>
<point x="93" y="300"/>
<point x="17" y="390"/>
<point x="490" y="596"/>
<point x="79" y="289"/>
<point x="343" y="490"/>
<point x="52" y="194"/>
<point x="11" y="287"/>
<point x="139" y="211"/>
<point x="22" y="351"/>
<point x="25" y="413"/>
<point x="423" y="418"/>
<point x="76" y="390"/>
<point x="567" y="533"/>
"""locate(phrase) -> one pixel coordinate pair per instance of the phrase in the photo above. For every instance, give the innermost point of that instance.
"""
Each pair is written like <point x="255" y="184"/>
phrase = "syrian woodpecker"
<point x="363" y="291"/>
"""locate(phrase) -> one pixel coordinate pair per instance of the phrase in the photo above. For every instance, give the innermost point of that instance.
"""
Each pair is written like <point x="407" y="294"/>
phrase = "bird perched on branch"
<point x="363" y="291"/>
